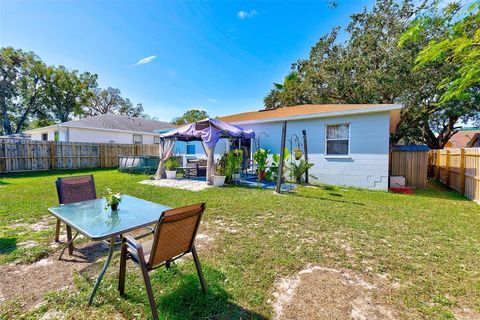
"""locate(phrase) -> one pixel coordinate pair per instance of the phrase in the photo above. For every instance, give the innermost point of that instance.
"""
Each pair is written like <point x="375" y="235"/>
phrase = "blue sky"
<point x="220" y="56"/>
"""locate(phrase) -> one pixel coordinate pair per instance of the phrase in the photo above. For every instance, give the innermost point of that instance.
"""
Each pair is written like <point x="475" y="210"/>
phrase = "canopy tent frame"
<point x="209" y="131"/>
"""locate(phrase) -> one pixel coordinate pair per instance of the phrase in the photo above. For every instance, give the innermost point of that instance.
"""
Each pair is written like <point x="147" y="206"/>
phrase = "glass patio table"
<point x="91" y="219"/>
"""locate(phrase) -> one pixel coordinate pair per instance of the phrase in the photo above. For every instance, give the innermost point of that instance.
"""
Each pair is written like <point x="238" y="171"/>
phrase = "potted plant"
<point x="113" y="200"/>
<point x="273" y="170"/>
<point x="299" y="169"/>
<point x="170" y="165"/>
<point x="298" y="153"/>
<point x="260" y="157"/>
<point x="233" y="165"/>
<point x="219" y="176"/>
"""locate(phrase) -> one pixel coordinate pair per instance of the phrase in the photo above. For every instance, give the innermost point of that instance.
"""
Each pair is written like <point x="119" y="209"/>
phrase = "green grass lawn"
<point x="428" y="243"/>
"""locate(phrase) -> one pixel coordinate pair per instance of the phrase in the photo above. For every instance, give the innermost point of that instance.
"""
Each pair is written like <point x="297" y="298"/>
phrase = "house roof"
<point x="114" y="122"/>
<point x="462" y="138"/>
<point x="307" y="111"/>
<point x="474" y="141"/>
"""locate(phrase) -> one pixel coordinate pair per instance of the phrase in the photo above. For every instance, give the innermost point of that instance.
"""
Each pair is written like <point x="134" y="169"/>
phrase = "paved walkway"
<point x="184" y="184"/>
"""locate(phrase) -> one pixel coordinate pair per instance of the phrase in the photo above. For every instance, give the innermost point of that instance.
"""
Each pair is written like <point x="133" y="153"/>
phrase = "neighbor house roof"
<point x="462" y="138"/>
<point x="307" y="111"/>
<point x="113" y="122"/>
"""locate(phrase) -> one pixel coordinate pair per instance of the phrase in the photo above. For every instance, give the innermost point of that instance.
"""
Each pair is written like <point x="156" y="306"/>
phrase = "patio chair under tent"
<point x="208" y="131"/>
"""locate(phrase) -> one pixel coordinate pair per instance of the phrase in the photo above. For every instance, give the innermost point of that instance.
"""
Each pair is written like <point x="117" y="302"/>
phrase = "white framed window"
<point x="156" y="140"/>
<point x="337" y="139"/>
<point x="137" y="139"/>
<point x="56" y="136"/>
<point x="44" y="136"/>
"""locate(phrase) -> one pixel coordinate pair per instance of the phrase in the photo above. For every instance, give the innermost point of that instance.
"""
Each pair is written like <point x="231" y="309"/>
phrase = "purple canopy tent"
<point x="209" y="131"/>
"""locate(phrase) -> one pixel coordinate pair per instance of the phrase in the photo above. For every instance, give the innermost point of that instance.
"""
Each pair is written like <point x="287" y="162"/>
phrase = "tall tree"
<point x="103" y="101"/>
<point x="67" y="91"/>
<point x="449" y="39"/>
<point x="128" y="109"/>
<point x="21" y="88"/>
<point x="190" y="116"/>
<point x="370" y="67"/>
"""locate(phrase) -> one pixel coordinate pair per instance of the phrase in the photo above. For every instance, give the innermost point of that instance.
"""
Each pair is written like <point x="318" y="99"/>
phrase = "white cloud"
<point x="144" y="60"/>
<point x="246" y="14"/>
<point x="212" y="100"/>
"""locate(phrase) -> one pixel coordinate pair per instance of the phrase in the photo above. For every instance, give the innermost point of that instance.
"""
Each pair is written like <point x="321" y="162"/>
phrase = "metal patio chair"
<point x="70" y="190"/>
<point x="174" y="237"/>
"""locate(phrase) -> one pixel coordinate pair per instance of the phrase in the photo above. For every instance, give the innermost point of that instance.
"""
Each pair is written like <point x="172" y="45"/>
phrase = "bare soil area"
<point x="324" y="293"/>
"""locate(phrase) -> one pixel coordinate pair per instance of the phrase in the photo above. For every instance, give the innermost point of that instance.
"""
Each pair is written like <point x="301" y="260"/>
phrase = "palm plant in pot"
<point x="260" y="157"/>
<point x="219" y="176"/>
<point x="170" y="165"/>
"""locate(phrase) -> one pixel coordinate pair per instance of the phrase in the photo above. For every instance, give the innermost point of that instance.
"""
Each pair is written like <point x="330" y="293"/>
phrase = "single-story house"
<point x="347" y="143"/>
<point x="106" y="128"/>
<point x="465" y="138"/>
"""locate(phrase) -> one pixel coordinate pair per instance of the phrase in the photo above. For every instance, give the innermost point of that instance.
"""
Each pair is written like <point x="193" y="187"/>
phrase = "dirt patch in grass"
<point x="28" y="283"/>
<point x="330" y="294"/>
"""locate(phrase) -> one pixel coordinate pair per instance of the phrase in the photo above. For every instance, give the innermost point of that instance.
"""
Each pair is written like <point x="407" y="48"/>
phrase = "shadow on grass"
<point x="8" y="245"/>
<point x="327" y="199"/>
<point x="47" y="173"/>
<point x="184" y="298"/>
<point x="437" y="190"/>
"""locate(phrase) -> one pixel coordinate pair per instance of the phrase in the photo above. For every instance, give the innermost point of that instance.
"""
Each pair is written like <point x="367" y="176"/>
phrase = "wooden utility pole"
<point x="305" y="152"/>
<point x="282" y="156"/>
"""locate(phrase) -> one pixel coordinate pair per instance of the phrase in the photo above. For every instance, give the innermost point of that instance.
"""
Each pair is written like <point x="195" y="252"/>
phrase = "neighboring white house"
<point x="107" y="128"/>
<point x="348" y="143"/>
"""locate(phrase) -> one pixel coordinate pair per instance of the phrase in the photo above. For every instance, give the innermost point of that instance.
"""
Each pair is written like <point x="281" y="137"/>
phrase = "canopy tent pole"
<point x="165" y="152"/>
<point x="208" y="131"/>
<point x="282" y="156"/>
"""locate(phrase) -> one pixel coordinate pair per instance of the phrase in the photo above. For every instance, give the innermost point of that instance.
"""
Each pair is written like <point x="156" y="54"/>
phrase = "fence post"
<point x="52" y="155"/>
<point x="447" y="169"/>
<point x="437" y="164"/>
<point x="462" y="171"/>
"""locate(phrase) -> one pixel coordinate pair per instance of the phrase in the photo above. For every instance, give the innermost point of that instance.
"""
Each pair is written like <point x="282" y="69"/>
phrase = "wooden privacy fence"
<point x="25" y="155"/>
<point x="411" y="162"/>
<point x="458" y="169"/>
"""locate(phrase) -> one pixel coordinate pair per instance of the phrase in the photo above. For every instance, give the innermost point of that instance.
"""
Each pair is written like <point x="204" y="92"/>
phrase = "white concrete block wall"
<point x="367" y="164"/>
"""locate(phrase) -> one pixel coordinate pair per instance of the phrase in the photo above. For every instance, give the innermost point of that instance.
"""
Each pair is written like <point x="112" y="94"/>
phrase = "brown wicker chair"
<point x="173" y="238"/>
<point x="73" y="189"/>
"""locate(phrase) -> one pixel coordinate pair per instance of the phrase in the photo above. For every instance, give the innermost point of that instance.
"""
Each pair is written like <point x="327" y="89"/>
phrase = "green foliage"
<point x="113" y="199"/>
<point x="457" y="43"/>
<point x="370" y="67"/>
<point x="67" y="91"/>
<point x="273" y="170"/>
<point x="190" y="116"/>
<point x="299" y="169"/>
<point x="221" y="165"/>
<point x="234" y="162"/>
<point x="34" y="94"/>
<point x="22" y="88"/>
<point x="260" y="158"/>
<point x="110" y="100"/>
<point x="171" y="163"/>
<point x="404" y="236"/>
